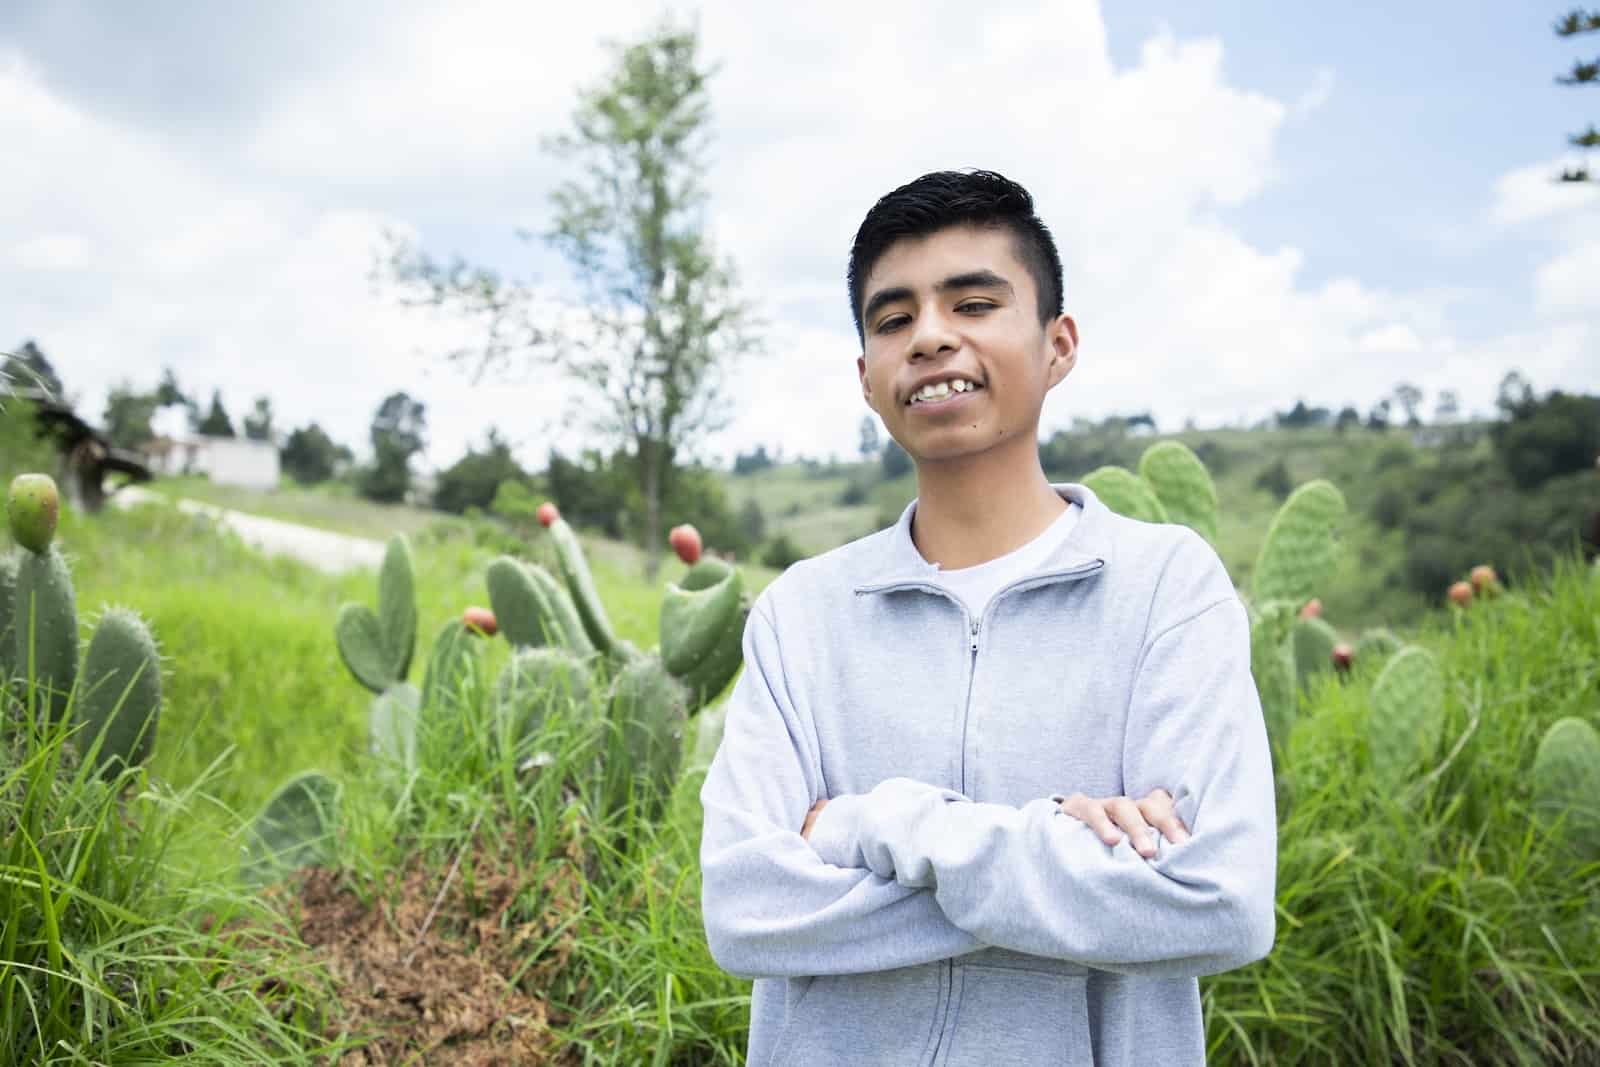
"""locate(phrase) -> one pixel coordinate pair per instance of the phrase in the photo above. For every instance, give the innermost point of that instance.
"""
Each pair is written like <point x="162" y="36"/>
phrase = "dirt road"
<point x="323" y="549"/>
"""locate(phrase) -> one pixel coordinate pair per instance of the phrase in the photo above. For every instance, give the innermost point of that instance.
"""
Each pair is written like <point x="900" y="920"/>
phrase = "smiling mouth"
<point x="943" y="392"/>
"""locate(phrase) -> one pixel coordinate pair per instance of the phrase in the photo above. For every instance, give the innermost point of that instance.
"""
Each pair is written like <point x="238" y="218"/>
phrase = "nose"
<point x="931" y="335"/>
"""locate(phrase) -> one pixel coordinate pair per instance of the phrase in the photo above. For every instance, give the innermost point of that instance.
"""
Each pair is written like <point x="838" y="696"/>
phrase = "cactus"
<point x="120" y="699"/>
<point x="521" y="609"/>
<point x="397" y="607"/>
<point x="1566" y="784"/>
<point x="378" y="646"/>
<point x="573" y="635"/>
<point x="530" y="685"/>
<point x="1313" y="648"/>
<point x="650" y="708"/>
<point x="1300" y="552"/>
<point x="1183" y="485"/>
<point x="1406" y="714"/>
<point x="1272" y="666"/>
<point x="392" y="725"/>
<point x="1126" y="493"/>
<point x="580" y="583"/>
<point x="46" y="626"/>
<point x="294" y="828"/>
<point x="452" y="666"/>
<point x="33" y="507"/>
<point x="9" y="562"/>
<point x="1377" y="643"/>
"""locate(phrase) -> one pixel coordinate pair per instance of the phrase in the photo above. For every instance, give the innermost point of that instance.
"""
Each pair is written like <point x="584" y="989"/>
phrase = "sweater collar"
<point x="1087" y="546"/>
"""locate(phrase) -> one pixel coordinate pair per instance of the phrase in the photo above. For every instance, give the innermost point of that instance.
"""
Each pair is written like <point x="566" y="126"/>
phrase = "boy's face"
<point x="958" y="303"/>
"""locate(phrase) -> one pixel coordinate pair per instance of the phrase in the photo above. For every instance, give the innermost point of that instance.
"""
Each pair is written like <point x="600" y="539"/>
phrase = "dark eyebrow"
<point x="972" y="279"/>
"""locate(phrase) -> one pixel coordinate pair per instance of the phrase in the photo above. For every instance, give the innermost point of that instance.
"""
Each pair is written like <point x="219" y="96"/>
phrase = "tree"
<point x="127" y="416"/>
<point x="1378" y="419"/>
<point x="28" y="367"/>
<point x="1448" y="407"/>
<point x="168" y="393"/>
<point x="870" y="444"/>
<point x="1544" y="439"/>
<point x="756" y="459"/>
<point x="258" y="424"/>
<point x="309" y="455"/>
<point x="216" y="422"/>
<point x="398" y="433"/>
<point x="1348" y="417"/>
<point x="1409" y="397"/>
<point x="1571" y="24"/>
<point x="895" y="460"/>
<point x="476" y="478"/>
<point x="753" y="522"/>
<point x="661" y="320"/>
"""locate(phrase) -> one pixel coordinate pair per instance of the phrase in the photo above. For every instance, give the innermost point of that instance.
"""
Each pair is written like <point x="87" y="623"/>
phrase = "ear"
<point x="866" y="386"/>
<point x="1062" y="337"/>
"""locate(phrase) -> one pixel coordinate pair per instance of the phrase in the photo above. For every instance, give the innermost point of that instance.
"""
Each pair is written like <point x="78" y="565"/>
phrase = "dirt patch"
<point x="443" y="977"/>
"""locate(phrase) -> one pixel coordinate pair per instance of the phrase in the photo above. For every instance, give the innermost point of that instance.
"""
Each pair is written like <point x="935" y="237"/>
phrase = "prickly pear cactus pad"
<point x="1406" y="714"/>
<point x="1272" y="667"/>
<point x="693" y="621"/>
<point x="650" y="707"/>
<point x="452" y="666"/>
<point x="1313" y="647"/>
<point x="392" y="725"/>
<point x="1183" y="485"/>
<point x="397" y="607"/>
<point x="1376" y="644"/>
<point x="1566" y="783"/>
<point x="521" y="608"/>
<point x="359" y="635"/>
<point x="580" y="583"/>
<point x="565" y="613"/>
<point x="45" y="630"/>
<point x="119" y="691"/>
<point x="1126" y="493"/>
<point x="9" y="563"/>
<point x="33" y="507"/>
<point x="533" y="683"/>
<point x="295" y="827"/>
<point x="1301" y="550"/>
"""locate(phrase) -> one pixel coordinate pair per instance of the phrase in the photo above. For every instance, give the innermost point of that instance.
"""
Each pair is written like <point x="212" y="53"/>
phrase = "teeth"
<point x="941" y="390"/>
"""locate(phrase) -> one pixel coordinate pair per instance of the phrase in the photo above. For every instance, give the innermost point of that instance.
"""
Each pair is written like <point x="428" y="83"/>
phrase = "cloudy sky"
<point x="1255" y="201"/>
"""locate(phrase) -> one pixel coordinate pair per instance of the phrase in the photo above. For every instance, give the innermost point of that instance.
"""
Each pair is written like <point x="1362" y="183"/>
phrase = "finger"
<point x="1091" y="813"/>
<point x="1128" y="816"/>
<point x="1160" y="812"/>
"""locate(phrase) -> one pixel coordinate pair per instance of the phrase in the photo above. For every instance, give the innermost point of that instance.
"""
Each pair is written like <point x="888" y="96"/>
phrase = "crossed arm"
<point x="910" y="873"/>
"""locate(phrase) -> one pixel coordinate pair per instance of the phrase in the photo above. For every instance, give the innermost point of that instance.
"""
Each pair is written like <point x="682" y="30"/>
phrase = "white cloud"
<point x="1533" y="192"/>
<point x="1316" y="94"/>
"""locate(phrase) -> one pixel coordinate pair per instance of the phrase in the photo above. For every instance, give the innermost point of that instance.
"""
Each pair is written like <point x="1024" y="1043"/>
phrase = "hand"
<point x="811" y="817"/>
<point x="1106" y="814"/>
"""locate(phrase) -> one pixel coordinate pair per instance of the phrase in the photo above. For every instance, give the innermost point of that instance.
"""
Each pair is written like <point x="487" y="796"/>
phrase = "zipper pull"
<point x="974" y="635"/>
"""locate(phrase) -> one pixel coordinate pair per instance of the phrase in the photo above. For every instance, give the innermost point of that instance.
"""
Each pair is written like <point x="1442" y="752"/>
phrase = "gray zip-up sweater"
<point x="945" y="911"/>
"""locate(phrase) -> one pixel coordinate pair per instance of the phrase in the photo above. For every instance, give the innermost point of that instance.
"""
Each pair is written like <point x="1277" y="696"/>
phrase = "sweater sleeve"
<point x="772" y="906"/>
<point x="1035" y="880"/>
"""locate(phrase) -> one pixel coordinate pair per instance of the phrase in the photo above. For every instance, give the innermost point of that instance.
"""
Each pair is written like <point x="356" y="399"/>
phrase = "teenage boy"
<point x="995" y="786"/>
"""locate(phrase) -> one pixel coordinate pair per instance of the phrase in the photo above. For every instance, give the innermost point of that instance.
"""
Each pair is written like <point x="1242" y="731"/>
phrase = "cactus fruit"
<point x="1300" y="551"/>
<point x="1183" y="485"/>
<point x="580" y="583"/>
<point x="392" y="725"/>
<point x="359" y="635"/>
<point x="480" y="620"/>
<point x="1460" y="594"/>
<point x="1407" y="713"/>
<point x="46" y="626"/>
<point x="397" y="607"/>
<point x="685" y="541"/>
<point x="119" y="700"/>
<point x="33" y="508"/>
<point x="650" y="707"/>
<point x="1126" y="493"/>
<point x="534" y="682"/>
<point x="378" y="647"/>
<point x="294" y="828"/>
<point x="1314" y="641"/>
<point x="1566" y="784"/>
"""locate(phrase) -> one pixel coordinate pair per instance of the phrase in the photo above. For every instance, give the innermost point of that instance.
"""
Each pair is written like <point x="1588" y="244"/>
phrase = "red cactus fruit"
<point x="1461" y="594"/>
<point x="685" y="541"/>
<point x="1312" y="609"/>
<point x="547" y="513"/>
<point x="1343" y="657"/>
<point x="480" y="620"/>
<point x="1484" y="579"/>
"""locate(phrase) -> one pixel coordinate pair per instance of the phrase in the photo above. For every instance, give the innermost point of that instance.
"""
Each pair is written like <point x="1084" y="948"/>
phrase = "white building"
<point x="236" y="461"/>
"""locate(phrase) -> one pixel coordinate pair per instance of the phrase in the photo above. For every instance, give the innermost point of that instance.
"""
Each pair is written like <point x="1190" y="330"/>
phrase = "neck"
<point x="977" y="508"/>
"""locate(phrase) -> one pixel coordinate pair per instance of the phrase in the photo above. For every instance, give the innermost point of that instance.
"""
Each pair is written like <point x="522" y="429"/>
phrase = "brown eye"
<point x="893" y="322"/>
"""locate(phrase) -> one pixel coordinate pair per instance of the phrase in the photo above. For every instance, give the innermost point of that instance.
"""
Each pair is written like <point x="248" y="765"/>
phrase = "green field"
<point x="1447" y="921"/>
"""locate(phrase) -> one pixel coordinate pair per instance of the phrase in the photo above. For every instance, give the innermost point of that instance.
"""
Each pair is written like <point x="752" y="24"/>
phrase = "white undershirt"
<point x="975" y="586"/>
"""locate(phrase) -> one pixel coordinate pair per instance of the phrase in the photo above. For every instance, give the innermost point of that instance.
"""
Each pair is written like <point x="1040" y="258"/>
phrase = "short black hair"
<point x="947" y="198"/>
